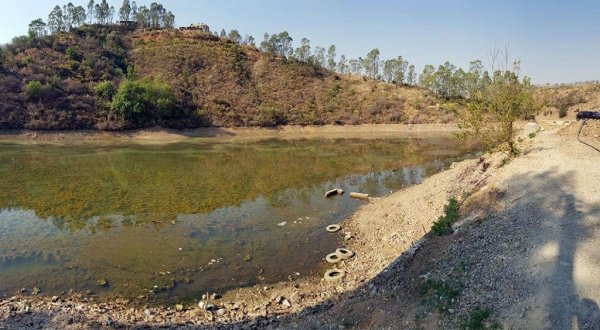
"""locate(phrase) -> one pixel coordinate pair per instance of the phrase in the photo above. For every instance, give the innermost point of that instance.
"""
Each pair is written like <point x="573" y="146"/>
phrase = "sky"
<point x="556" y="41"/>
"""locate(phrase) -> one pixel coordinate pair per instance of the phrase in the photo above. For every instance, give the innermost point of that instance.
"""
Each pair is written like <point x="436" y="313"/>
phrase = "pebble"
<point x="286" y="303"/>
<point x="281" y="224"/>
<point x="147" y="312"/>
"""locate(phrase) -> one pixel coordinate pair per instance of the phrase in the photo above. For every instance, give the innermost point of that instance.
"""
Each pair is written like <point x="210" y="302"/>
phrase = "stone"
<point x="55" y="298"/>
<point x="286" y="303"/>
<point x="531" y="127"/>
<point x="147" y="312"/>
<point x="221" y="312"/>
<point x="179" y="307"/>
<point x="102" y="282"/>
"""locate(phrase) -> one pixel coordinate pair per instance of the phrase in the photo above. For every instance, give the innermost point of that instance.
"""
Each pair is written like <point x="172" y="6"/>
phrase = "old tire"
<point x="344" y="253"/>
<point x="333" y="228"/>
<point x="334" y="275"/>
<point x="333" y="258"/>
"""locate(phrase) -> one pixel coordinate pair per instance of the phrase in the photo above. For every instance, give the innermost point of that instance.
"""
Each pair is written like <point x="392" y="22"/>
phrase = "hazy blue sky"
<point x="557" y="41"/>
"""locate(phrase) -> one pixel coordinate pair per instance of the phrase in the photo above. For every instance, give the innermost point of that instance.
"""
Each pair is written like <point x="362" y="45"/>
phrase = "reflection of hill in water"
<point x="73" y="184"/>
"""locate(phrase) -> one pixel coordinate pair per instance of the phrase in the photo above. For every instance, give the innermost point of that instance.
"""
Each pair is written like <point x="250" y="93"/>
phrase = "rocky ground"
<point x="524" y="254"/>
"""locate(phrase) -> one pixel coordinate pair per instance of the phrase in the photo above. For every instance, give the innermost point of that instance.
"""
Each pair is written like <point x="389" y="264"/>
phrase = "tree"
<point x="411" y="77"/>
<point x="69" y="13"/>
<point x="248" y="40"/>
<point x="427" y="77"/>
<point x="474" y="77"/>
<point x="355" y="66"/>
<point x="302" y="53"/>
<point x="125" y="11"/>
<point x="371" y="63"/>
<point x="79" y="16"/>
<point x="134" y="10"/>
<point x="342" y="66"/>
<point x="223" y="34"/>
<point x="157" y="15"/>
<point x="235" y="36"/>
<point x="169" y="20"/>
<point x="103" y="12"/>
<point x="284" y="44"/>
<point x="319" y="58"/>
<point x="91" y="7"/>
<point x="143" y="17"/>
<point x="331" y="58"/>
<point x="279" y="44"/>
<point x="493" y="109"/>
<point x="37" y="28"/>
<point x="388" y="70"/>
<point x="56" y="22"/>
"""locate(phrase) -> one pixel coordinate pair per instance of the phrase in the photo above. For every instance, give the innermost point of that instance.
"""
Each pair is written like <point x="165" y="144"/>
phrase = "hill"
<point x="567" y="99"/>
<point x="89" y="79"/>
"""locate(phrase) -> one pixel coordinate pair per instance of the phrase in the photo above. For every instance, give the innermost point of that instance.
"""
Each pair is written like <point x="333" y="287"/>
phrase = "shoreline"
<point x="226" y="134"/>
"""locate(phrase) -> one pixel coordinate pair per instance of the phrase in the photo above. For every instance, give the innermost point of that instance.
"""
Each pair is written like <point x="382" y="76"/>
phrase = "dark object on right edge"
<point x="588" y="115"/>
<point x="585" y="115"/>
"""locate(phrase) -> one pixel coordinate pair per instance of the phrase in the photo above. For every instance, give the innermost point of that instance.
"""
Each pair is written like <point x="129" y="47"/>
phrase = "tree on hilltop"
<point x="37" y="28"/>
<point x="125" y="11"/>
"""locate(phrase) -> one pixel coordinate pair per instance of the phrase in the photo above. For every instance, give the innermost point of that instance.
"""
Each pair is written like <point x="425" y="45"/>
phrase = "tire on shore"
<point x="333" y="228"/>
<point x="334" y="275"/>
<point x="344" y="253"/>
<point x="333" y="258"/>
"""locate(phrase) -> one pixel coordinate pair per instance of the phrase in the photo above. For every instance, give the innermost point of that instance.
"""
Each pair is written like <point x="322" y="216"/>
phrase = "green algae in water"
<point x="174" y="221"/>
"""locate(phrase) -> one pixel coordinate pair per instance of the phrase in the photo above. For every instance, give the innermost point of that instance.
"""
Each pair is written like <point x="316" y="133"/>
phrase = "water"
<point x="171" y="222"/>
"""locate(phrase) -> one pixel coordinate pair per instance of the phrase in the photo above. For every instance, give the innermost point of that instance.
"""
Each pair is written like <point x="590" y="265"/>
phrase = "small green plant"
<point x="531" y="135"/>
<point x="105" y="90"/>
<point x="477" y="320"/>
<point x="443" y="225"/>
<point x="519" y="139"/>
<point x="73" y="54"/>
<point x="36" y="91"/>
<point x="438" y="294"/>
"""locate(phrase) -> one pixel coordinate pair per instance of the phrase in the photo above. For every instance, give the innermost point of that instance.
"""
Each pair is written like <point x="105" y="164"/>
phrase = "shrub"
<point x="439" y="294"/>
<point x="562" y="112"/>
<point x="479" y="319"/>
<point x="73" y="54"/>
<point x="36" y="91"/>
<point x="531" y="135"/>
<point x="443" y="225"/>
<point x="144" y="101"/>
<point x="105" y="90"/>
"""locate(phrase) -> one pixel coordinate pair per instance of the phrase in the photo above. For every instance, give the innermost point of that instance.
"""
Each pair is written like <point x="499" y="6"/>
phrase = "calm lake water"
<point x="172" y="222"/>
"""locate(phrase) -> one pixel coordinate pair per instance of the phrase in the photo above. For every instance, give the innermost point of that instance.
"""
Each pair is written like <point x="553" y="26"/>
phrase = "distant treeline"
<point x="447" y="80"/>
<point x="71" y="16"/>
